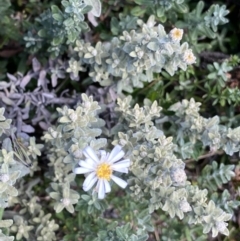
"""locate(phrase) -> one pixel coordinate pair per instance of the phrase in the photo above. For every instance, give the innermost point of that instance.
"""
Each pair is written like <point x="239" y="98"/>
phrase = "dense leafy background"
<point x="35" y="47"/>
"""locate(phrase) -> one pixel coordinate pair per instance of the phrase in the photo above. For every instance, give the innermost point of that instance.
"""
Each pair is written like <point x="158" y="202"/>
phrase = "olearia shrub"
<point x="119" y="121"/>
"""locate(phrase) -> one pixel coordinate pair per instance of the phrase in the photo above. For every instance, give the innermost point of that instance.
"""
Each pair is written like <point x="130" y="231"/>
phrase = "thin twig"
<point x="156" y="234"/>
<point x="209" y="154"/>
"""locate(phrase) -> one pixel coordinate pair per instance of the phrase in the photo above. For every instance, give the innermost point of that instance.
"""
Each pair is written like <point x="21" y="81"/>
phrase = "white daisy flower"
<point x="176" y="34"/>
<point x="100" y="168"/>
<point x="189" y="57"/>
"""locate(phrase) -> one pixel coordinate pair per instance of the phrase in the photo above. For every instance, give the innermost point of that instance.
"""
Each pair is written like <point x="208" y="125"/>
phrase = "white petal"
<point x="123" y="170"/>
<point x="89" y="181"/>
<point x="88" y="160"/>
<point x="121" y="164"/>
<point x="103" y="153"/>
<point x="119" y="181"/>
<point x="117" y="157"/>
<point x="101" y="189"/>
<point x="90" y="184"/>
<point x="97" y="186"/>
<point x="89" y="153"/>
<point x="81" y="170"/>
<point x="114" y="152"/>
<point x="107" y="186"/>
<point x="80" y="161"/>
<point x="87" y="164"/>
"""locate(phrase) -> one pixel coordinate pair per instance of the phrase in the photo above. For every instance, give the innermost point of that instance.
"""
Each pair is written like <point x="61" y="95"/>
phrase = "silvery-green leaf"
<point x="70" y="208"/>
<point x="6" y="100"/>
<point x="96" y="7"/>
<point x="152" y="46"/>
<point x="55" y="195"/>
<point x="3" y="237"/>
<point x="4" y="84"/>
<point x="68" y="22"/>
<point x="64" y="119"/>
<point x="58" y="207"/>
<point x="3" y="187"/>
<point x="28" y="129"/>
<point x="88" y="56"/>
<point x="57" y="17"/>
<point x="6" y="223"/>
<point x="99" y="143"/>
<point x="12" y="191"/>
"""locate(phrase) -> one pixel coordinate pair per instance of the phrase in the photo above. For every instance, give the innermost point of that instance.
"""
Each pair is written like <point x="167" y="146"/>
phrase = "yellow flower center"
<point x="177" y="34"/>
<point x="104" y="171"/>
<point x="190" y="57"/>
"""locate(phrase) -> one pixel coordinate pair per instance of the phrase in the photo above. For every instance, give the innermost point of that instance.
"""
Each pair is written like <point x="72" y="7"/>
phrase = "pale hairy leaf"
<point x="96" y="7"/>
